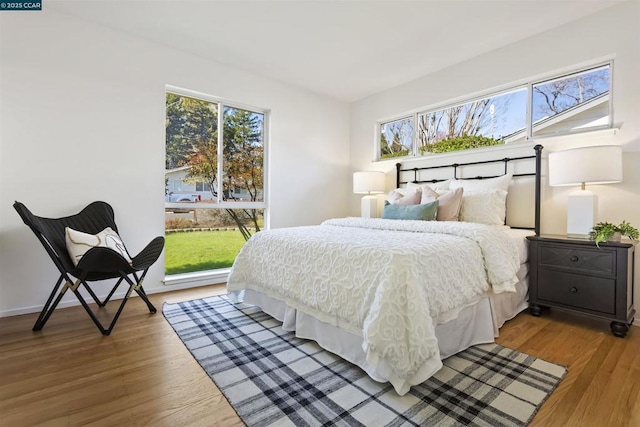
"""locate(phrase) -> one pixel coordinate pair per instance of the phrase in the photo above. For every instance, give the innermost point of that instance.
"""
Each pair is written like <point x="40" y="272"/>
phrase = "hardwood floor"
<point x="69" y="374"/>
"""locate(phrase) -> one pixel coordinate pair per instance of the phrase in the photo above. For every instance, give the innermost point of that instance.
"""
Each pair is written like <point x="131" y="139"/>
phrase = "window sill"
<point x="408" y="159"/>
<point x="200" y="278"/>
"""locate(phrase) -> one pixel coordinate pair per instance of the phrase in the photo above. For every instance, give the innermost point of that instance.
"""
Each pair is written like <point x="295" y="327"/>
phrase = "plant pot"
<point x="616" y="237"/>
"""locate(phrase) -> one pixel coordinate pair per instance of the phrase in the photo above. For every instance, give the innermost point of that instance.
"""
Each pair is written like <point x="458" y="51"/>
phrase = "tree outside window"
<point x="570" y="103"/>
<point x="224" y="172"/>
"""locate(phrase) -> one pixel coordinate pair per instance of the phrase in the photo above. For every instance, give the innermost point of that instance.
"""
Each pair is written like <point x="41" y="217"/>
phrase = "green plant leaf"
<point x="603" y="231"/>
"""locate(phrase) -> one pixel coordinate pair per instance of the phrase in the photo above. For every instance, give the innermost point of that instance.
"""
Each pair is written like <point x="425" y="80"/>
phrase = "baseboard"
<point x="171" y="283"/>
<point x="62" y="304"/>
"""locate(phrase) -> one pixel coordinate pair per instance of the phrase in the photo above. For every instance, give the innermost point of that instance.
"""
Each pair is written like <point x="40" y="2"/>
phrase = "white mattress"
<point x="520" y="237"/>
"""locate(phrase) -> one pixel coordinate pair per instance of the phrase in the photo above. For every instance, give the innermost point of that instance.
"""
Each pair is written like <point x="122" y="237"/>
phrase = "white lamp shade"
<point x="600" y="164"/>
<point x="369" y="182"/>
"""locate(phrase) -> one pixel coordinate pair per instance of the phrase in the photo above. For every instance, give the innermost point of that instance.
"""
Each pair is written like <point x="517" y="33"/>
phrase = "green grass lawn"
<point x="200" y="250"/>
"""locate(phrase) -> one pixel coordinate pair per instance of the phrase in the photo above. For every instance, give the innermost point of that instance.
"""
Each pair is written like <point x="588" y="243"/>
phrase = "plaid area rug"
<point x="273" y="378"/>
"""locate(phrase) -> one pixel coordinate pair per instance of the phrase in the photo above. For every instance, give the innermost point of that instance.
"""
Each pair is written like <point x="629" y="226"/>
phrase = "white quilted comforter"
<point x="387" y="281"/>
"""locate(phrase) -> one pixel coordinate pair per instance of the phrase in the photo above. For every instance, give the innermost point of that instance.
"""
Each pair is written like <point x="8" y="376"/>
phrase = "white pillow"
<point x="484" y="206"/>
<point x="78" y="243"/>
<point x="436" y="186"/>
<point x="498" y="183"/>
<point x="449" y="203"/>
<point x="405" y="196"/>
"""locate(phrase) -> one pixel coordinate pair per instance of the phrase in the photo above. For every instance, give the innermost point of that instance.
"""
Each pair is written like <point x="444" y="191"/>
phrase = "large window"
<point x="214" y="181"/>
<point x="560" y="105"/>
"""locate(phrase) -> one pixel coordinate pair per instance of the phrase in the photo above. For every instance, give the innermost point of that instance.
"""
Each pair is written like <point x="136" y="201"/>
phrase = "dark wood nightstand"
<point x="574" y="274"/>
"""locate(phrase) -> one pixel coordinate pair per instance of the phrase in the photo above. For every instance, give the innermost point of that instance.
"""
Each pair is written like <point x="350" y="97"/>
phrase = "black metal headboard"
<point x="537" y="174"/>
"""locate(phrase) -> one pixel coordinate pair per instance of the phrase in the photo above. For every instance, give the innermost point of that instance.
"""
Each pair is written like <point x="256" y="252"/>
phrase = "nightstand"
<point x="574" y="274"/>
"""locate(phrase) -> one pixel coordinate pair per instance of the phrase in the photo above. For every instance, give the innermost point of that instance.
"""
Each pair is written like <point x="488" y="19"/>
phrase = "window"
<point x="564" y="104"/>
<point x="578" y="101"/>
<point x="480" y="123"/>
<point x="396" y="138"/>
<point x="203" y="186"/>
<point x="214" y="181"/>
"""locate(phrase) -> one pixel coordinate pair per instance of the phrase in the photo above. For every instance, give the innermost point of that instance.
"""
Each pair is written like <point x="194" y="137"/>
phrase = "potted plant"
<point x="606" y="231"/>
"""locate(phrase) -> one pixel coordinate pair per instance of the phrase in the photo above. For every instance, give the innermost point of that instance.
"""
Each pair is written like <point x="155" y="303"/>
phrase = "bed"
<point x="396" y="297"/>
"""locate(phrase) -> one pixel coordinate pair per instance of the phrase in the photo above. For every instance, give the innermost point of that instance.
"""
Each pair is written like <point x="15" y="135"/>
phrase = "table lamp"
<point x="369" y="182"/>
<point x="600" y="164"/>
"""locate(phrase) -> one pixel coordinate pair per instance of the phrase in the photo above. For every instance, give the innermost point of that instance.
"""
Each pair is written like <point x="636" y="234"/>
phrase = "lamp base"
<point x="369" y="207"/>
<point x="581" y="209"/>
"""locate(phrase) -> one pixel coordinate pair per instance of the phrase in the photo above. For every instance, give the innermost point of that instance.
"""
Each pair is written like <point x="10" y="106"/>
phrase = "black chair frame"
<point x="96" y="264"/>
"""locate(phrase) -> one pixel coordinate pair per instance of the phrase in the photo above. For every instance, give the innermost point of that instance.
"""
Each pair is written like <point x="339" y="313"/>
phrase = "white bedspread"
<point x="388" y="281"/>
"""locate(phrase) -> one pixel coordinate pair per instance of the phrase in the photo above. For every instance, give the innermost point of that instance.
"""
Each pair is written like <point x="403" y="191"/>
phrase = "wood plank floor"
<point x="70" y="375"/>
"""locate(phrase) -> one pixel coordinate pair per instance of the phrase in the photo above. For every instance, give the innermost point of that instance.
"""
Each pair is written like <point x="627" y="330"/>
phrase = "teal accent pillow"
<point x="425" y="212"/>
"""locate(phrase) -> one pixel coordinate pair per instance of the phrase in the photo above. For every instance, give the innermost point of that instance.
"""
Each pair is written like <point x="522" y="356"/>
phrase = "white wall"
<point x="82" y="119"/>
<point x="612" y="33"/>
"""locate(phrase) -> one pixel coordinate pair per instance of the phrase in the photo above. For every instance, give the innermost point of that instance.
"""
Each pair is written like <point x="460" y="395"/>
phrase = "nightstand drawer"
<point x="574" y="290"/>
<point x="577" y="259"/>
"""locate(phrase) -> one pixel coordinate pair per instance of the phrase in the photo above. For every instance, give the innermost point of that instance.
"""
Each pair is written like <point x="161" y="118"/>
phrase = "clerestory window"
<point x="565" y="104"/>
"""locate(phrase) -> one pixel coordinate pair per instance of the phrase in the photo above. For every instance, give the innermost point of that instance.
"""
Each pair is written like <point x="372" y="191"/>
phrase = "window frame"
<point x="576" y="71"/>
<point x="527" y="83"/>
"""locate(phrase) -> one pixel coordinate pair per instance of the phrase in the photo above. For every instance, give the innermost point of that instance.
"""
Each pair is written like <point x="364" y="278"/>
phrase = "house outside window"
<point x="575" y="102"/>
<point x="215" y="182"/>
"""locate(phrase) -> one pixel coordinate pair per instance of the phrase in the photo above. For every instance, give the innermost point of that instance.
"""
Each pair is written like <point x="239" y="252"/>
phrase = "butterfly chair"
<point x="98" y="263"/>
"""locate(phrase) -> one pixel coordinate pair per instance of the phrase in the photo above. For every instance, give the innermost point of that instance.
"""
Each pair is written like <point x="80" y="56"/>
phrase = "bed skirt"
<point x="474" y="325"/>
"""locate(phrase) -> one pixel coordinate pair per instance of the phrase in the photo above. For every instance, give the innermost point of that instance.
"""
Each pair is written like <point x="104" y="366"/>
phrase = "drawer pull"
<point x="574" y="258"/>
<point x="573" y="290"/>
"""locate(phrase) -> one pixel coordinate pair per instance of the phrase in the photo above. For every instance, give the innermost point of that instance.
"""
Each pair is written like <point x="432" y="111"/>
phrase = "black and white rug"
<point x="272" y="378"/>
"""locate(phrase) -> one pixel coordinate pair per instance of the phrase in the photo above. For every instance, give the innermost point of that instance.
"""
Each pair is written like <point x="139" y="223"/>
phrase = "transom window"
<point x="565" y="104"/>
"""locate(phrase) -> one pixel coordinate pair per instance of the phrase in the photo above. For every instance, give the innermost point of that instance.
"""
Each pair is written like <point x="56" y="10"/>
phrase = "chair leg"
<point x="140" y="291"/>
<point x="93" y="295"/>
<point x="106" y="300"/>
<point x="90" y="312"/>
<point x="48" y="308"/>
<point x="145" y="298"/>
<point x="105" y="331"/>
<point x="115" y="318"/>
<point x="51" y="304"/>
<point x="137" y="286"/>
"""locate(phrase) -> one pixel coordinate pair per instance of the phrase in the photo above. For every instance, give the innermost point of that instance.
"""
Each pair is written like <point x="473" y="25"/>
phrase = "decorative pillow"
<point x="484" y="206"/>
<point x="405" y="196"/>
<point x="449" y="203"/>
<point x="426" y="212"/>
<point x="499" y="183"/>
<point x="78" y="243"/>
<point x="437" y="186"/>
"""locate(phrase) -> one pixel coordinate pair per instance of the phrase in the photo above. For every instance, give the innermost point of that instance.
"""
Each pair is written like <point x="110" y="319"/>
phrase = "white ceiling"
<point x="344" y="49"/>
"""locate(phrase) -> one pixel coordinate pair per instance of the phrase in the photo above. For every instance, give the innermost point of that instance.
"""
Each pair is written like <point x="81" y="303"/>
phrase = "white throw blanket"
<point x="387" y="281"/>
